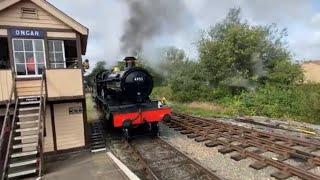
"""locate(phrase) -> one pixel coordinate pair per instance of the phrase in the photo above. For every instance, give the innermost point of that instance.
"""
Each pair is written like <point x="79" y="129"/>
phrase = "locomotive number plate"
<point x="138" y="79"/>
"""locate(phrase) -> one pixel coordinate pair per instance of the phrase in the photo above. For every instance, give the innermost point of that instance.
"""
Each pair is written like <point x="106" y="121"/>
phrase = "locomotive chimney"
<point x="130" y="62"/>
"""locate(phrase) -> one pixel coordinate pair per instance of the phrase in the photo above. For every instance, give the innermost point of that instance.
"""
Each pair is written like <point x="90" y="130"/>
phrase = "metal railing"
<point x="5" y="168"/>
<point x="41" y="124"/>
<point x="71" y="63"/>
<point x="6" y="124"/>
<point x="7" y="115"/>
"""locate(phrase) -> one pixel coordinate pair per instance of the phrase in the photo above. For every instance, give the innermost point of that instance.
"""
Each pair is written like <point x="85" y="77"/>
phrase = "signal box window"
<point x="29" y="56"/>
<point x="57" y="54"/>
<point x="4" y="54"/>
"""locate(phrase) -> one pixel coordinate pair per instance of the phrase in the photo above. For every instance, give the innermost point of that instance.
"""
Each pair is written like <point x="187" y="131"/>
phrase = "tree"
<point x="172" y="58"/>
<point x="236" y="54"/>
<point x="186" y="82"/>
<point x="99" y="67"/>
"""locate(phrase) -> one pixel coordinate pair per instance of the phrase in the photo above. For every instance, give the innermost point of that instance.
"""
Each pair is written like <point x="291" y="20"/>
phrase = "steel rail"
<point x="205" y="132"/>
<point x="274" y="135"/>
<point x="154" y="172"/>
<point x="285" y="150"/>
<point x="186" y="160"/>
<point x="207" y="171"/>
<point x="143" y="162"/>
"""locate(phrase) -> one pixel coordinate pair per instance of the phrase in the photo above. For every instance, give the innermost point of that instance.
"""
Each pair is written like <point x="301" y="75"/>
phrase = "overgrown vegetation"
<point x="99" y="67"/>
<point x="247" y="70"/>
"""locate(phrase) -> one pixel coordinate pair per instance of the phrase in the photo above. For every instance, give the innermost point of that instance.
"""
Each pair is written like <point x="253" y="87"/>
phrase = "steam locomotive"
<point x="124" y="97"/>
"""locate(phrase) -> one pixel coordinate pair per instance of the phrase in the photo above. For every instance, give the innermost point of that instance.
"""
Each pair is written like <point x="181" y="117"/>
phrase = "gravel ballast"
<point x="210" y="158"/>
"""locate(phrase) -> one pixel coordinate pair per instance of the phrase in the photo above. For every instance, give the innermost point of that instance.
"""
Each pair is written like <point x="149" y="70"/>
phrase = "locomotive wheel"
<point x="108" y="124"/>
<point x="155" y="130"/>
<point x="108" y="120"/>
<point x="127" y="134"/>
<point x="167" y="118"/>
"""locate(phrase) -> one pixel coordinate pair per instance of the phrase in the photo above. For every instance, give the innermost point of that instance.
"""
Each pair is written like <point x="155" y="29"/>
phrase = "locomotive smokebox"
<point x="130" y="62"/>
<point x="133" y="84"/>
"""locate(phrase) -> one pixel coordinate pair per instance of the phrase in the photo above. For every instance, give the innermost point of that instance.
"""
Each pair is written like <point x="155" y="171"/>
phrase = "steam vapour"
<point x="148" y="19"/>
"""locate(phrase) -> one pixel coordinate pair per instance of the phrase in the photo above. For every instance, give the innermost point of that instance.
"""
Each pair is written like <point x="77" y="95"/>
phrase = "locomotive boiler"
<point x="124" y="97"/>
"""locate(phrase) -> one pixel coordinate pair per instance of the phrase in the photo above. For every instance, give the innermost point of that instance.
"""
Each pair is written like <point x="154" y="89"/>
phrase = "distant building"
<point x="311" y="70"/>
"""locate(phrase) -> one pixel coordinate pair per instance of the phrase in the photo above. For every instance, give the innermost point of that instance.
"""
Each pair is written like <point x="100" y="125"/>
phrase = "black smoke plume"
<point x="148" y="19"/>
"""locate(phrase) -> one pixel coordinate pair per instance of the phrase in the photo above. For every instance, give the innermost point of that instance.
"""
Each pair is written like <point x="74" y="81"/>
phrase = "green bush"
<point x="160" y="92"/>
<point x="298" y="102"/>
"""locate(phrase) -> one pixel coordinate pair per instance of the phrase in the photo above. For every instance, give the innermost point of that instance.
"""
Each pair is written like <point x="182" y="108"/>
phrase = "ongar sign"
<point x="27" y="33"/>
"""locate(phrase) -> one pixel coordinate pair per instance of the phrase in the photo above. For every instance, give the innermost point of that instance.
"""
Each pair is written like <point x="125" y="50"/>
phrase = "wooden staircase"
<point x="24" y="155"/>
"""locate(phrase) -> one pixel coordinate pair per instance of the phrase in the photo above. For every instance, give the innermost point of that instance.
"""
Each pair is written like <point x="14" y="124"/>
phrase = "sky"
<point x="106" y="20"/>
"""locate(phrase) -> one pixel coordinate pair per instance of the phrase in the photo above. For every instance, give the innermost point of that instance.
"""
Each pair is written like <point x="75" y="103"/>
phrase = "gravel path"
<point x="223" y="165"/>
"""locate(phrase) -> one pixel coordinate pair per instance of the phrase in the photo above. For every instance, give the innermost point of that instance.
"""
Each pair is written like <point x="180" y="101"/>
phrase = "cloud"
<point x="307" y="47"/>
<point x="276" y="11"/>
<point x="315" y="20"/>
<point x="106" y="21"/>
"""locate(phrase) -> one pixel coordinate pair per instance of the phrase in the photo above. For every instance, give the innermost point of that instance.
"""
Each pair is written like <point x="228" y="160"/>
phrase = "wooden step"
<point x="28" y="109"/>
<point x="27" y="122"/>
<point x="28" y="97"/>
<point x="28" y="115"/>
<point x="23" y="163"/>
<point x="26" y="137"/>
<point x="29" y="103"/>
<point x="18" y="146"/>
<point x="26" y="129"/>
<point x="22" y="154"/>
<point x="22" y="173"/>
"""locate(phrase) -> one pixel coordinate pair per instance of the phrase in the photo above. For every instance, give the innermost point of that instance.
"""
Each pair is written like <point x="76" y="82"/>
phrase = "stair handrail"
<point x="41" y="117"/>
<point x="7" y="113"/>
<point x="4" y="171"/>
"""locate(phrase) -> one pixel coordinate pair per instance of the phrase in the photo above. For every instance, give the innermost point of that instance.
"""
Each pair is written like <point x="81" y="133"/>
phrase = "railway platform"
<point x="84" y="166"/>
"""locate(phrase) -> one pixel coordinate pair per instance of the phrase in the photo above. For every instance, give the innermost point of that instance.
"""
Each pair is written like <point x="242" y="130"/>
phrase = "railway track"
<point x="291" y="156"/>
<point x="155" y="159"/>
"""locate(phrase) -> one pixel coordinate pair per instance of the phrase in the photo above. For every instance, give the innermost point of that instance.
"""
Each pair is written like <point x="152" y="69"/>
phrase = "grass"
<point x="92" y="112"/>
<point x="202" y="109"/>
<point x="161" y="92"/>
<point x="299" y="104"/>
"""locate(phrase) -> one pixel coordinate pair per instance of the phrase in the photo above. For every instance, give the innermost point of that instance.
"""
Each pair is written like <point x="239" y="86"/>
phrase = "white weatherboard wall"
<point x="48" y="139"/>
<point x="69" y="127"/>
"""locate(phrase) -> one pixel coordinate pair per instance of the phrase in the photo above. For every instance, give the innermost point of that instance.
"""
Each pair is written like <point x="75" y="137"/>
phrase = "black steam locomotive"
<point x="123" y="96"/>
